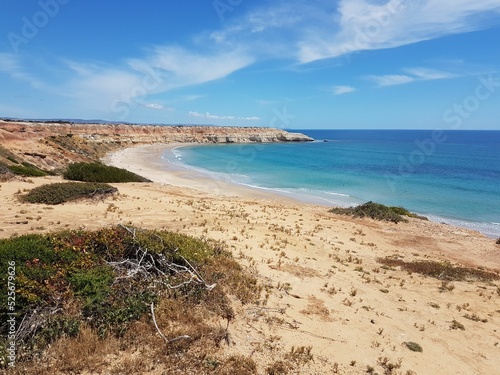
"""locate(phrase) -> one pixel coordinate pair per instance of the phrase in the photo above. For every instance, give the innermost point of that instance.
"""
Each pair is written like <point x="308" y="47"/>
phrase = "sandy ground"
<point x="323" y="285"/>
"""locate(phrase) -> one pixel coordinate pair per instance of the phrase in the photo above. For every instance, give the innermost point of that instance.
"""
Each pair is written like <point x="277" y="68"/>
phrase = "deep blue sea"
<point x="451" y="177"/>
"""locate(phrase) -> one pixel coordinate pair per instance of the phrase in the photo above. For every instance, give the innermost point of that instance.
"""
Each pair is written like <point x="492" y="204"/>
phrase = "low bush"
<point x="498" y="241"/>
<point x="59" y="193"/>
<point x="108" y="279"/>
<point x="27" y="170"/>
<point x="12" y="159"/>
<point x="375" y="211"/>
<point x="413" y="346"/>
<point x="97" y="172"/>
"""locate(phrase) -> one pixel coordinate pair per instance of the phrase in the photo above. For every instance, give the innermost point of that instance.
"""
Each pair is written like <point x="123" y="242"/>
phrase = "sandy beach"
<point x="146" y="161"/>
<point x="323" y="285"/>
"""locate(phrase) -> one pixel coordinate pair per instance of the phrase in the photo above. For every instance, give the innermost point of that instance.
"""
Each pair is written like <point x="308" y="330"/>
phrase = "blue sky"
<point x="360" y="64"/>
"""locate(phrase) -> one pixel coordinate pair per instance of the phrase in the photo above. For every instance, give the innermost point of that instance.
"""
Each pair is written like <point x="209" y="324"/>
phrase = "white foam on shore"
<point x="491" y="230"/>
<point x="320" y="197"/>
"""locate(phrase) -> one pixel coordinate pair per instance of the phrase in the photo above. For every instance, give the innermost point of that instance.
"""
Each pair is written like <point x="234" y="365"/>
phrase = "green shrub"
<point x="12" y="159"/>
<point x="413" y="346"/>
<point x="97" y="172"/>
<point x="109" y="278"/>
<point x="404" y="212"/>
<point x="27" y="171"/>
<point x="32" y="257"/>
<point x="93" y="285"/>
<point x="373" y="210"/>
<point x="59" y="193"/>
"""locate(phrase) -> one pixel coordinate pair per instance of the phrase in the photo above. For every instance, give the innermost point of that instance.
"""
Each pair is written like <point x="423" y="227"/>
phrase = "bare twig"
<point x="149" y="265"/>
<point x="167" y="341"/>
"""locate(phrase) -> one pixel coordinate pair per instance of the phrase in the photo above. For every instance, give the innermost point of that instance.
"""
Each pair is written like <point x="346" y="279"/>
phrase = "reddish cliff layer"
<point x="54" y="145"/>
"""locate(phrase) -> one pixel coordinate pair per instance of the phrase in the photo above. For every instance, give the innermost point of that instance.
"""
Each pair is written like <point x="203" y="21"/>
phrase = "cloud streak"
<point x="10" y="64"/>
<point x="364" y="25"/>
<point x="413" y="75"/>
<point x="211" y="116"/>
<point x="164" y="68"/>
<point x="340" y="90"/>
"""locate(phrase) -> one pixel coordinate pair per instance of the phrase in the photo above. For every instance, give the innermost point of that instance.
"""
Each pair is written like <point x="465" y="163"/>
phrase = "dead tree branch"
<point x="167" y="341"/>
<point x="151" y="265"/>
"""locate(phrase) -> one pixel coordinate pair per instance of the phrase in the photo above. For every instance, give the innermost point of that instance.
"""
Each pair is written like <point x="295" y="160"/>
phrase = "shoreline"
<point x="147" y="161"/>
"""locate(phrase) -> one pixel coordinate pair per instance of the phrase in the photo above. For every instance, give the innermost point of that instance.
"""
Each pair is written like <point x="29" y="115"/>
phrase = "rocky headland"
<point x="52" y="146"/>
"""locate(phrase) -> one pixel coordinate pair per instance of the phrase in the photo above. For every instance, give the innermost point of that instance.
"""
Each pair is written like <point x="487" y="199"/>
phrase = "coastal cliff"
<point x="52" y="146"/>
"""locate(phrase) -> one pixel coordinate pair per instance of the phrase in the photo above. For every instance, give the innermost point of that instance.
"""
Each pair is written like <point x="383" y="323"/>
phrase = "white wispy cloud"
<point x="391" y="79"/>
<point x="158" y="107"/>
<point x="177" y="67"/>
<point x="412" y="75"/>
<point x="211" y="116"/>
<point x="114" y="89"/>
<point x="315" y="30"/>
<point x="340" y="90"/>
<point x="367" y="25"/>
<point x="11" y="65"/>
<point x="430" y="74"/>
<point x="164" y="68"/>
<point x="8" y="62"/>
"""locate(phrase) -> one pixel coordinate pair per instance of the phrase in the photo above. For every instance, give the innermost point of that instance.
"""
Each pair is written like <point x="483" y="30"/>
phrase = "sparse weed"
<point x="475" y="318"/>
<point x="440" y="270"/>
<point x="457" y="325"/>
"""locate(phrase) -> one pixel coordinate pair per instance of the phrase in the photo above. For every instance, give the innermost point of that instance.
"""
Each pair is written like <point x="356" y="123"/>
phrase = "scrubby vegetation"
<point x="498" y="241"/>
<point x="440" y="270"/>
<point x="97" y="172"/>
<point x="28" y="170"/>
<point x="80" y="294"/>
<point x="59" y="193"/>
<point x="377" y="211"/>
<point x="413" y="346"/>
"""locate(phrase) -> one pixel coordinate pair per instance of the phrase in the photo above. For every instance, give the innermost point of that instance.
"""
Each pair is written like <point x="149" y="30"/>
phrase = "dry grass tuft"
<point x="440" y="270"/>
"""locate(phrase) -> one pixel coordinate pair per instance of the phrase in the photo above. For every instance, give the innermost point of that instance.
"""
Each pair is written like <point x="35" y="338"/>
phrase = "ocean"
<point x="451" y="177"/>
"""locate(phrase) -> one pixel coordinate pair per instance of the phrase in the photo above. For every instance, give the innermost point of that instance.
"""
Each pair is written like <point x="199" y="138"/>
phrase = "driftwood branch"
<point x="167" y="341"/>
<point x="150" y="265"/>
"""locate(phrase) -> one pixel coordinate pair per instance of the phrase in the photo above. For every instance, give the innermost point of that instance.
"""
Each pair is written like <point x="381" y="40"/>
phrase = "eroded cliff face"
<point x="52" y="146"/>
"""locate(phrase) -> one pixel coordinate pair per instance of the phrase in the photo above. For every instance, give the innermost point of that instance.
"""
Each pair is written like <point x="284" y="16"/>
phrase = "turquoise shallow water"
<point x="452" y="177"/>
